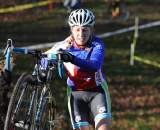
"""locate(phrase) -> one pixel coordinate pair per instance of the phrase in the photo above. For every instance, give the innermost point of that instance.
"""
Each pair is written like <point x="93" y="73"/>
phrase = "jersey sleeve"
<point x="55" y="47"/>
<point x="95" y="61"/>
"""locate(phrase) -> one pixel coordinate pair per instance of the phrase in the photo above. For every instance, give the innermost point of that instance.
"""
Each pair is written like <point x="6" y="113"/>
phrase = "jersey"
<point x="85" y="82"/>
<point x="85" y="74"/>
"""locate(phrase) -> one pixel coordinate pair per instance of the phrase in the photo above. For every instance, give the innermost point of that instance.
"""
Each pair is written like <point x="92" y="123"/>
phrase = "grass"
<point x="134" y="89"/>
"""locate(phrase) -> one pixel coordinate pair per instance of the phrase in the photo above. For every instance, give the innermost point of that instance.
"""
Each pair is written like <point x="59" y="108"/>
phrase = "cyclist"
<point x="72" y="4"/>
<point x="118" y="9"/>
<point x="83" y="59"/>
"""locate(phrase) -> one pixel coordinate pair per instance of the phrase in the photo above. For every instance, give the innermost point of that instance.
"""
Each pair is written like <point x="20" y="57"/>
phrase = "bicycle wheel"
<point x="47" y="111"/>
<point x="17" y="117"/>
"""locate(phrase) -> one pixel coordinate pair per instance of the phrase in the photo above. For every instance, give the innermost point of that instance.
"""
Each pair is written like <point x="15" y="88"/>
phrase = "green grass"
<point x="139" y="81"/>
<point x="134" y="89"/>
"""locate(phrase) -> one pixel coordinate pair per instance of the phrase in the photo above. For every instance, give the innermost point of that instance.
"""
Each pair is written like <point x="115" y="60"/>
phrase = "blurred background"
<point x="134" y="79"/>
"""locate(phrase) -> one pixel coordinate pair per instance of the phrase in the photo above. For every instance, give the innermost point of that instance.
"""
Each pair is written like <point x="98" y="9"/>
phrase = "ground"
<point x="134" y="89"/>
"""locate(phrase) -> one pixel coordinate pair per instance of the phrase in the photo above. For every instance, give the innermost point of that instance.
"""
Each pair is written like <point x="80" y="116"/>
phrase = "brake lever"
<point x="9" y="44"/>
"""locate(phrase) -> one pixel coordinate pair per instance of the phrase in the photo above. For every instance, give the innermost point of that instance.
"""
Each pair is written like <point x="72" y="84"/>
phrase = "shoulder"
<point x="98" y="42"/>
<point x="97" y="39"/>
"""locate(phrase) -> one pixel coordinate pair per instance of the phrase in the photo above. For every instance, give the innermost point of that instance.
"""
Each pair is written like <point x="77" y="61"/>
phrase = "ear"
<point x="71" y="31"/>
<point x="92" y="31"/>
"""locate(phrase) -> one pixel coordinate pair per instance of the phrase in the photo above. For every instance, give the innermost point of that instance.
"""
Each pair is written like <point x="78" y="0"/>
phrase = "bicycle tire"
<point x="47" y="120"/>
<point x="23" y="87"/>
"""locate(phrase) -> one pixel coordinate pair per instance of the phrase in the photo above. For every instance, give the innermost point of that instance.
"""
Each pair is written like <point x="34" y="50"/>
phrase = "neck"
<point x="80" y="46"/>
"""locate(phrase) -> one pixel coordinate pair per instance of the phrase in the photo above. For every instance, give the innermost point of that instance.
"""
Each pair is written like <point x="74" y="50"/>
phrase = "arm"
<point x="61" y="45"/>
<point x="95" y="61"/>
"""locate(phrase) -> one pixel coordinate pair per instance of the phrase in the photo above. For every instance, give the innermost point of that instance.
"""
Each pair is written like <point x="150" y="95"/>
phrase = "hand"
<point x="65" y="56"/>
<point x="43" y="64"/>
<point x="68" y="41"/>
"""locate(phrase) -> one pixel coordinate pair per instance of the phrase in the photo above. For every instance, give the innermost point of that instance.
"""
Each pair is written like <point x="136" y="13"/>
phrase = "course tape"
<point x="24" y="7"/>
<point x="108" y="34"/>
<point x="42" y="46"/>
<point x="155" y="64"/>
<point x="132" y="28"/>
<point x="153" y="24"/>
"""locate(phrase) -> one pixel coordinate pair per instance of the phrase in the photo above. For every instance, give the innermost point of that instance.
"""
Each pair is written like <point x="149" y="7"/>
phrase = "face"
<point x="81" y="34"/>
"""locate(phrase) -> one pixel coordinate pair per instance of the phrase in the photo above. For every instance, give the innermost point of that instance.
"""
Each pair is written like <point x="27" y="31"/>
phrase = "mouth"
<point x="82" y="38"/>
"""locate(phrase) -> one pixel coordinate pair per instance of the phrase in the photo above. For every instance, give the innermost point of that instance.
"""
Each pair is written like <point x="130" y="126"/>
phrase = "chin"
<point x="82" y="44"/>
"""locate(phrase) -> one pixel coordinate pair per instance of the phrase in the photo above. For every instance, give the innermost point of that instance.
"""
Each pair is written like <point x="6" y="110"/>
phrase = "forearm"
<point x="90" y="65"/>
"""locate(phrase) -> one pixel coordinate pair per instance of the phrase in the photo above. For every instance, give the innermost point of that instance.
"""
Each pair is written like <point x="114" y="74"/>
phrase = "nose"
<point x="81" y="32"/>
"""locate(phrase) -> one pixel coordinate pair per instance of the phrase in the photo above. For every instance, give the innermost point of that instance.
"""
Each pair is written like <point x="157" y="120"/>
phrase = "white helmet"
<point x="81" y="17"/>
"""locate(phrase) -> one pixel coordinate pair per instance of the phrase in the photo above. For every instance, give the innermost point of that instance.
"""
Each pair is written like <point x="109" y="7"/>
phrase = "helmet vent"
<point x="81" y="17"/>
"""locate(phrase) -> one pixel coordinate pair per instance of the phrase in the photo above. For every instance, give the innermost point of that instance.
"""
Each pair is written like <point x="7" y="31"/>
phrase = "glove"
<point x="65" y="56"/>
<point x="43" y="64"/>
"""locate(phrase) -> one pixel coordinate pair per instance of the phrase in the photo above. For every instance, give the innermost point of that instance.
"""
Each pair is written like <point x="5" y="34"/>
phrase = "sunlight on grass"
<point x="134" y="89"/>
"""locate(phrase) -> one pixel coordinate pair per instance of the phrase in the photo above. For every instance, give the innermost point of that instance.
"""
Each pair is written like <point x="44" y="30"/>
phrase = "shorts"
<point x="83" y="103"/>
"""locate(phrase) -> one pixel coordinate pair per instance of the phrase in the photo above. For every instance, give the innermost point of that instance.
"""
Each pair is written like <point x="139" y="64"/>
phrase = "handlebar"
<point x="19" y="50"/>
<point x="35" y="53"/>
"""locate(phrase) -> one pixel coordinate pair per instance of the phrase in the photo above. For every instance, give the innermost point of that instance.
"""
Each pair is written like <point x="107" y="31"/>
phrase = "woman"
<point x="83" y="59"/>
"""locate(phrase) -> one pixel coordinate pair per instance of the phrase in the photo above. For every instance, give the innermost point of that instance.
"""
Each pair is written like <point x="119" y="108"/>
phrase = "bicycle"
<point x="32" y="105"/>
<point x="6" y="76"/>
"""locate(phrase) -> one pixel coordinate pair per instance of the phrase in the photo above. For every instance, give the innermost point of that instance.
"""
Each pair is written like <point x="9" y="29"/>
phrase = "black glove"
<point x="65" y="56"/>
